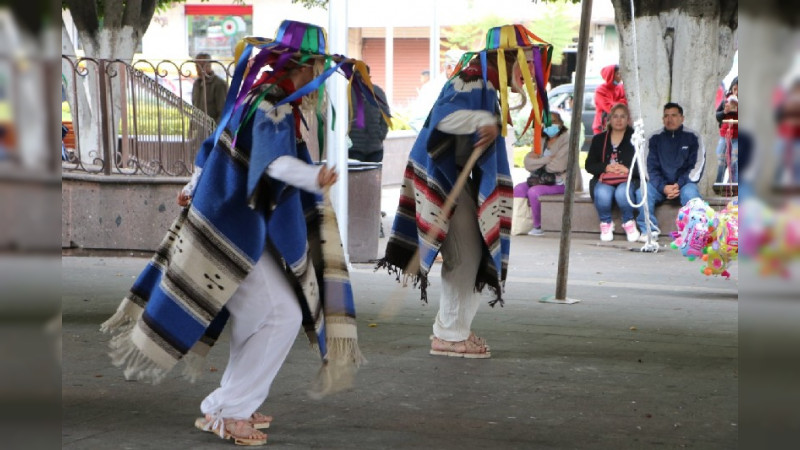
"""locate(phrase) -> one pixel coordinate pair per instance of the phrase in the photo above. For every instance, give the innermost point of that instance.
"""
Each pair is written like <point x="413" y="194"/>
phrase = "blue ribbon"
<point x="485" y="74"/>
<point x="258" y="158"/>
<point x="310" y="87"/>
<point x="230" y="101"/>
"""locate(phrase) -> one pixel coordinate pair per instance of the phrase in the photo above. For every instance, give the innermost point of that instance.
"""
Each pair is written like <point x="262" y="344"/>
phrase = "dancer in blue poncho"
<point x="469" y="116"/>
<point x="255" y="242"/>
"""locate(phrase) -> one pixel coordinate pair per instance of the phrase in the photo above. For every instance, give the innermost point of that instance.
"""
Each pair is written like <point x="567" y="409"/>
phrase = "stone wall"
<point x="397" y="147"/>
<point x="28" y="207"/>
<point x="586" y="220"/>
<point x="117" y="212"/>
<point x="132" y="213"/>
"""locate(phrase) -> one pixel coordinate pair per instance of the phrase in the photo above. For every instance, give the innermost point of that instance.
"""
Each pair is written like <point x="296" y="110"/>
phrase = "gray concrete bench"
<point x="585" y="219"/>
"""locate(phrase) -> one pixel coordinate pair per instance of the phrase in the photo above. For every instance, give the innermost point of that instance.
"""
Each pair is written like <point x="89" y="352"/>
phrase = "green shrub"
<point x="519" y="155"/>
<point x="400" y="121"/>
<point x="147" y="121"/>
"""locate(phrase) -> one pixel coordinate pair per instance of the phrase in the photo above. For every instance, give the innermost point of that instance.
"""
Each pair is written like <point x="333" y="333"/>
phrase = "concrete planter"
<point x="117" y="212"/>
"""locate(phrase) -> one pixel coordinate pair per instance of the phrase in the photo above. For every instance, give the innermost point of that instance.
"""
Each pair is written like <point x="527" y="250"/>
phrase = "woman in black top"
<point x="611" y="155"/>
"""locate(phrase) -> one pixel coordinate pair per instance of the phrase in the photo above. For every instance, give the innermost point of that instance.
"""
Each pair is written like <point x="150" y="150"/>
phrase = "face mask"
<point x="552" y="130"/>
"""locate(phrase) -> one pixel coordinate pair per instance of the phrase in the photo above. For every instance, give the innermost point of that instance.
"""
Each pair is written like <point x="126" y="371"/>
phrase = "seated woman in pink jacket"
<point x="554" y="161"/>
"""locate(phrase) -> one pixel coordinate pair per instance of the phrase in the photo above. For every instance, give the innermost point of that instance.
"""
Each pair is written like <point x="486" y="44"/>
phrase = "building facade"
<point x="393" y="38"/>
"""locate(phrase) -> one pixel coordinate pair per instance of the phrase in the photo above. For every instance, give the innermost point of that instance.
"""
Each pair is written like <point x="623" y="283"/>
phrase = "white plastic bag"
<point x="521" y="220"/>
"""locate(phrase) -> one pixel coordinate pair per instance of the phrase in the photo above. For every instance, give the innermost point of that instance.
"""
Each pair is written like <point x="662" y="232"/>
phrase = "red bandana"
<point x="282" y="81"/>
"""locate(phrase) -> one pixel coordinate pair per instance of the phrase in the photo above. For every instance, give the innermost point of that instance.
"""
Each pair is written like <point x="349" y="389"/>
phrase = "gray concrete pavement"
<point x="648" y="359"/>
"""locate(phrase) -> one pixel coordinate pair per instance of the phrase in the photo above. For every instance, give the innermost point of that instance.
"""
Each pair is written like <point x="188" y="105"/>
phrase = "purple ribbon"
<point x="360" y="94"/>
<point x="251" y="76"/>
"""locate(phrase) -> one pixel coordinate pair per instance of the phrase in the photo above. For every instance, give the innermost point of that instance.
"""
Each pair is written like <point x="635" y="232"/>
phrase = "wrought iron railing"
<point x="135" y="118"/>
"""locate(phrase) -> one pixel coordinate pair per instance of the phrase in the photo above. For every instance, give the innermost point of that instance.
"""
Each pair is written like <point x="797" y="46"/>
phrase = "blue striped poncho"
<point x="429" y="176"/>
<point x="176" y="308"/>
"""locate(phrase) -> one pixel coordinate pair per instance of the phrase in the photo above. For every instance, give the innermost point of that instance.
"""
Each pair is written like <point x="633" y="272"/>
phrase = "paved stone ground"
<point x="648" y="359"/>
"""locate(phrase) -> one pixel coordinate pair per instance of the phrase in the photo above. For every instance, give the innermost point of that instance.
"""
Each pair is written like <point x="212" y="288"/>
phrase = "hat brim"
<point x="278" y="48"/>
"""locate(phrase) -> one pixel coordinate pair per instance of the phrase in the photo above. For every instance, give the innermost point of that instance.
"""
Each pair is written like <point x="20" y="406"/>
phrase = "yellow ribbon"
<point x="501" y="69"/>
<point x="361" y="67"/>
<point x="508" y="40"/>
<point x="530" y="87"/>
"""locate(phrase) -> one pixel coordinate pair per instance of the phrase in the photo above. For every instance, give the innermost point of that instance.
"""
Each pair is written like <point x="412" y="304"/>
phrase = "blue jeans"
<point x="604" y="197"/>
<point x="722" y="160"/>
<point x="654" y="197"/>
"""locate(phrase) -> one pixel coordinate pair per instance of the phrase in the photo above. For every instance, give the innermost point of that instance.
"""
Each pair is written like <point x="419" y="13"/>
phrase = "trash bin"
<point x="364" y="210"/>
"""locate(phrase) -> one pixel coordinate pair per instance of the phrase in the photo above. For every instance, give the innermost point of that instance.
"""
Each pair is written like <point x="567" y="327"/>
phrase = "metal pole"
<point x="389" y="64"/>
<point x="52" y="164"/>
<point x="434" y="42"/>
<point x="575" y="126"/>
<point x="108" y="154"/>
<point x="336" y="141"/>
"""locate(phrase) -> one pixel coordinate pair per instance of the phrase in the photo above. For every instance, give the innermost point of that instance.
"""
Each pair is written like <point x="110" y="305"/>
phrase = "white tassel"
<point x="124" y="317"/>
<point x="193" y="366"/>
<point x="114" y="323"/>
<point x="339" y="369"/>
<point x="124" y="353"/>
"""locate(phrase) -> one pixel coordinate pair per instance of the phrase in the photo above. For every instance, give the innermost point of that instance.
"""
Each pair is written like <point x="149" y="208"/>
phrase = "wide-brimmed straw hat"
<point x="295" y="42"/>
<point x="518" y="42"/>
<point x="298" y="43"/>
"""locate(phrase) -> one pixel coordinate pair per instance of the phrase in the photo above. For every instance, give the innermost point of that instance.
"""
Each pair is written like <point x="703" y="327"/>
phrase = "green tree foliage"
<point x="93" y="15"/>
<point x="557" y="27"/>
<point x="470" y="36"/>
<point x="313" y="3"/>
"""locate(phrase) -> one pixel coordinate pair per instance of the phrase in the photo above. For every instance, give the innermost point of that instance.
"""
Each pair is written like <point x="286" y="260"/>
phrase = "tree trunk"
<point x="115" y="37"/>
<point x="111" y="45"/>
<point x="103" y="44"/>
<point x="87" y="131"/>
<point x="684" y="49"/>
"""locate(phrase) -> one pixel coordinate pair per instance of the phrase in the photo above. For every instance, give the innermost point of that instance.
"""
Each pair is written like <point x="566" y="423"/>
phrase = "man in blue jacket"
<point x="675" y="162"/>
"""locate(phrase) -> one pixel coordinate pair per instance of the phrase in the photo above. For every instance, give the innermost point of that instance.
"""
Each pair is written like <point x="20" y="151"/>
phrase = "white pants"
<point x="265" y="319"/>
<point x="461" y="254"/>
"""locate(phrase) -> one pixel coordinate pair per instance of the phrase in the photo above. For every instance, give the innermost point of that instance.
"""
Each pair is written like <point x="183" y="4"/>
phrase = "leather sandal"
<point x="459" y="349"/>
<point x="257" y="420"/>
<point x="240" y="430"/>
<point x="472" y="337"/>
<point x="260" y="421"/>
<point x="478" y="340"/>
<point x="242" y="433"/>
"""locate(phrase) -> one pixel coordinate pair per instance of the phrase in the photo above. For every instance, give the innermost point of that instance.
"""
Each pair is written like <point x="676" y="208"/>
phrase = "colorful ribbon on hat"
<point x="517" y="37"/>
<point x="301" y="42"/>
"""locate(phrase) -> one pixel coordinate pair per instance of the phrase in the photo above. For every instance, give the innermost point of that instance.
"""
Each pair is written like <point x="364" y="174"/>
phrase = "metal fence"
<point x="132" y="119"/>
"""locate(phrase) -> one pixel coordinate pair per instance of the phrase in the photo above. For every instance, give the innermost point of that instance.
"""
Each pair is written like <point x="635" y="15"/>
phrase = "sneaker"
<point x="536" y="232"/>
<point x="631" y="231"/>
<point x="606" y="231"/>
<point x="653" y="236"/>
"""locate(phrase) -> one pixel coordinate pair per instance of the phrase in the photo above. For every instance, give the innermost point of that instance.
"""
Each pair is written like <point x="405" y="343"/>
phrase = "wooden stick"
<point x="458" y="186"/>
<point x="391" y="307"/>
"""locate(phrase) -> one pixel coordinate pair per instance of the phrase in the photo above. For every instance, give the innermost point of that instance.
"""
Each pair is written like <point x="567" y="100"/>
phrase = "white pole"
<point x="389" y="65"/>
<point x="336" y="139"/>
<point x="434" y="42"/>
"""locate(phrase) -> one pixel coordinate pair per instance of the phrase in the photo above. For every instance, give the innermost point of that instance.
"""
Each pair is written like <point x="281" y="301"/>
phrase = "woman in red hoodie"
<point x="607" y="95"/>
<point x="728" y="156"/>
